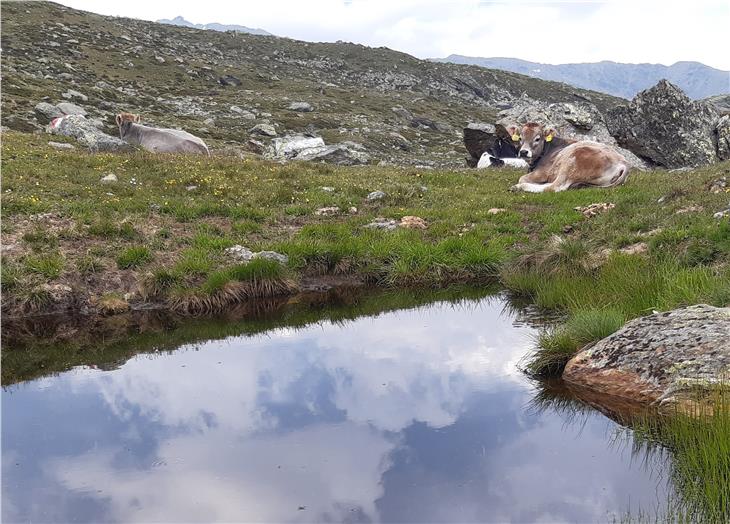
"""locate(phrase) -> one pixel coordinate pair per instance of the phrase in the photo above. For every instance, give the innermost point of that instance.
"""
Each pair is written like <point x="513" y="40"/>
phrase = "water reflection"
<point x="412" y="415"/>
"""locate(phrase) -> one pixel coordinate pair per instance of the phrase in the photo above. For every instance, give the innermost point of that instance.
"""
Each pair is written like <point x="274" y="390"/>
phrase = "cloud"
<point x="543" y="31"/>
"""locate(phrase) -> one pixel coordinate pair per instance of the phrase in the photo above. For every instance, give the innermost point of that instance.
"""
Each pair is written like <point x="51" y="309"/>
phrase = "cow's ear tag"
<point x="549" y="138"/>
<point x="515" y="137"/>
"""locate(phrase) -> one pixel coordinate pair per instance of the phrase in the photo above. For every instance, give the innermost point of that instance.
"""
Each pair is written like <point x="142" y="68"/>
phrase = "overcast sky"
<point x="656" y="31"/>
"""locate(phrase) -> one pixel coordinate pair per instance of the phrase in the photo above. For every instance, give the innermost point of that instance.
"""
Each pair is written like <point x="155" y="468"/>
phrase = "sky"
<point x="565" y="31"/>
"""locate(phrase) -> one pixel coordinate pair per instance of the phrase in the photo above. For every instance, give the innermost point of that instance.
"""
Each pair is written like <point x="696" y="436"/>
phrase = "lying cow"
<point x="158" y="140"/>
<point x="557" y="164"/>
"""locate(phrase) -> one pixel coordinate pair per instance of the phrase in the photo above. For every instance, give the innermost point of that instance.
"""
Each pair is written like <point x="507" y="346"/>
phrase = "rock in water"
<point x="658" y="358"/>
<point x="665" y="126"/>
<point x="87" y="133"/>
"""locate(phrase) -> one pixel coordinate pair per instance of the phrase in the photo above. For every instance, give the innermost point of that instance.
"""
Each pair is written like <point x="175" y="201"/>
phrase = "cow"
<point x="557" y="164"/>
<point x="158" y="140"/>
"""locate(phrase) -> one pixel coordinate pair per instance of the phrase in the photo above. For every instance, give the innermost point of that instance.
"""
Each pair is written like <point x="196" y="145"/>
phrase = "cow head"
<point x="124" y="121"/>
<point x="533" y="139"/>
<point x="507" y="144"/>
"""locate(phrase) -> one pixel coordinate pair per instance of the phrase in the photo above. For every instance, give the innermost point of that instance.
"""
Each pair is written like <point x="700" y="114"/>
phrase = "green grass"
<point x="134" y="257"/>
<point x="48" y="266"/>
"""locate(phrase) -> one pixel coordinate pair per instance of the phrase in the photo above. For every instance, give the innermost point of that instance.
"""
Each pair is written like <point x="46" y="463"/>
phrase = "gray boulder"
<point x="723" y="138"/>
<point x="45" y="112"/>
<point x="301" y="107"/>
<point x="72" y="93"/>
<point x="272" y="255"/>
<point x="663" y="125"/>
<point x="289" y="147"/>
<point x="658" y="358"/>
<point x="339" y="154"/>
<point x="263" y="129"/>
<point x="87" y="134"/>
<point x="67" y="108"/>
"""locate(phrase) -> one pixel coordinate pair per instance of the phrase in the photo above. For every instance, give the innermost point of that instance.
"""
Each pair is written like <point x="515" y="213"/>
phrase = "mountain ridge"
<point x="615" y="78"/>
<point x="214" y="26"/>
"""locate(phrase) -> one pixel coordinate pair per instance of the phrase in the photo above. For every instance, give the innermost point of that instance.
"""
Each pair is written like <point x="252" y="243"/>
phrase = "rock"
<point x="352" y="210"/>
<point x="639" y="248"/>
<point x="289" y="146"/>
<point x="245" y="114"/>
<point x="67" y="108"/>
<point x="718" y="186"/>
<point x="159" y="59"/>
<point x="109" y="179"/>
<point x="721" y="103"/>
<point x="328" y="189"/>
<point x="87" y="133"/>
<point x="273" y="255"/>
<point x="595" y="209"/>
<point x="658" y="358"/>
<point x="240" y="253"/>
<point x="301" y="107"/>
<point x="327" y="211"/>
<point x="400" y="141"/>
<point x="235" y="109"/>
<point x="209" y="122"/>
<point x="375" y="195"/>
<point x="722" y="214"/>
<point x="45" y="112"/>
<point x="723" y="138"/>
<point x="689" y="209"/>
<point x="229" y="80"/>
<point x="579" y="116"/>
<point x="496" y="210"/>
<point x="61" y="145"/>
<point x="665" y="126"/>
<point x="339" y="154"/>
<point x="71" y="93"/>
<point x="413" y="222"/>
<point x="382" y="223"/>
<point x="263" y="129"/>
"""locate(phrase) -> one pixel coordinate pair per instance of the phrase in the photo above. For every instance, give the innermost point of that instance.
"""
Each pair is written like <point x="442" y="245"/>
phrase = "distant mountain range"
<point x="180" y="21"/>
<point x="624" y="80"/>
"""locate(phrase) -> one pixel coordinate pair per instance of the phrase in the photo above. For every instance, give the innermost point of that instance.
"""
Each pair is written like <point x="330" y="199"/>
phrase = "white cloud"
<point x="544" y="31"/>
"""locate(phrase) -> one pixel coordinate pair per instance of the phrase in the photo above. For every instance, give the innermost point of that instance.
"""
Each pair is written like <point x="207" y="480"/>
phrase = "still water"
<point x="411" y="415"/>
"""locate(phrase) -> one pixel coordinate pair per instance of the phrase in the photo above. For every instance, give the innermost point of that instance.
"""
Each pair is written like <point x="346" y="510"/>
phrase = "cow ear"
<point x="550" y="133"/>
<point x="514" y="132"/>
<point x="119" y="120"/>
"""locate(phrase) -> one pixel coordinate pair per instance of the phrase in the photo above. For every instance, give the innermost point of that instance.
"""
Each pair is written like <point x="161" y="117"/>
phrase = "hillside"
<point x="220" y="85"/>
<point x="624" y="80"/>
<point x="180" y="21"/>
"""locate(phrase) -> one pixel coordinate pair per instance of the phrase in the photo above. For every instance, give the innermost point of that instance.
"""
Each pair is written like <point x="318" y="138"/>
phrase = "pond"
<point x="416" y="413"/>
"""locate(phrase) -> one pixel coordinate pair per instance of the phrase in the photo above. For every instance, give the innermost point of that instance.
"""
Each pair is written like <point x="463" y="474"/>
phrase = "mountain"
<point x="624" y="80"/>
<point x="234" y="89"/>
<point x="180" y="21"/>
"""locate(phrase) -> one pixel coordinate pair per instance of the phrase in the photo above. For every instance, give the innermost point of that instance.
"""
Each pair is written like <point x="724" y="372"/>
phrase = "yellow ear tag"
<point x="549" y="138"/>
<point x="515" y="137"/>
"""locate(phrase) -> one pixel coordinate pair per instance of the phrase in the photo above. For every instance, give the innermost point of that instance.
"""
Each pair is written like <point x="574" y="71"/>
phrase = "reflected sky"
<point x="411" y="416"/>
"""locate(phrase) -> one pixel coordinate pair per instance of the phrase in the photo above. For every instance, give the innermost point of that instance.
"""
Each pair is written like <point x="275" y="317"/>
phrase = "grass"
<point x="134" y="256"/>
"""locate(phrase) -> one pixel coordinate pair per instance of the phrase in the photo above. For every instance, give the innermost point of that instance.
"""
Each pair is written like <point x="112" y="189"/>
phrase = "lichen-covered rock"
<point x="659" y="358"/>
<point x="665" y="126"/>
<point x="339" y="154"/>
<point x="45" y="112"/>
<point x="723" y="138"/>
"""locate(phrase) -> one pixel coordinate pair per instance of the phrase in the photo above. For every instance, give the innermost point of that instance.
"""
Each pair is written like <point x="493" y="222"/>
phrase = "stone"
<point x="375" y="195"/>
<point x="159" y="59"/>
<point x="263" y="129"/>
<point x="339" y="154"/>
<point x="400" y="141"/>
<point x="327" y="211"/>
<point x="665" y="126"/>
<point x="273" y="255"/>
<point x="301" y="107"/>
<point x="592" y="210"/>
<point x="229" y="80"/>
<point x="413" y="222"/>
<point x="87" y="134"/>
<point x="657" y="359"/>
<point x="45" y="112"/>
<point x="109" y="179"/>
<point x="239" y="253"/>
<point x="496" y="210"/>
<point x="72" y="93"/>
<point x="67" y="108"/>
<point x="328" y="189"/>
<point x="289" y="147"/>
<point x="382" y="223"/>
<point x="61" y="145"/>
<point x="718" y="186"/>
<point x="722" y="214"/>
<point x="722" y="131"/>
<point x="639" y="248"/>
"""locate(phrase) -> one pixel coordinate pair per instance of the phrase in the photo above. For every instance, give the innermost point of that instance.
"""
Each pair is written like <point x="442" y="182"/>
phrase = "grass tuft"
<point x="134" y="257"/>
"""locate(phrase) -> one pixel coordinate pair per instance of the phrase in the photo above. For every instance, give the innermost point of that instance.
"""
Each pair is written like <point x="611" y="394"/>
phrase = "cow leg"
<point x="531" y="187"/>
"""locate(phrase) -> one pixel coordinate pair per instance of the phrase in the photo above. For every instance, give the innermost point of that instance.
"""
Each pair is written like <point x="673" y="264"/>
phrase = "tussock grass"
<point x="134" y="257"/>
<point x="49" y="266"/>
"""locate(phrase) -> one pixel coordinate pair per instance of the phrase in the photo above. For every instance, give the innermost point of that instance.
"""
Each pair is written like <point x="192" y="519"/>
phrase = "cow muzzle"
<point x="524" y="153"/>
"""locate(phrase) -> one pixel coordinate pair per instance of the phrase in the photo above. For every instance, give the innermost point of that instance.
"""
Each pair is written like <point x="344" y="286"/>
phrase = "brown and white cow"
<point x="557" y="164"/>
<point x="158" y="140"/>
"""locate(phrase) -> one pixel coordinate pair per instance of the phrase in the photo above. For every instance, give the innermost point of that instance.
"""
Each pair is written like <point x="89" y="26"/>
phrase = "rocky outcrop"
<point x="664" y="126"/>
<point x="83" y="130"/>
<point x="661" y="358"/>
<point x="576" y="121"/>
<point x="723" y="138"/>
<point x="314" y="149"/>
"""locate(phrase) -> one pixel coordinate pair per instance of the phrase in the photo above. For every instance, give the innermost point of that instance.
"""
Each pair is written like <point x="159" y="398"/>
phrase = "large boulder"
<point x="45" y="112"/>
<point x="288" y="147"/>
<point x="314" y="149"/>
<point x="576" y="121"/>
<point x="660" y="358"/>
<point x="83" y="130"/>
<point x="663" y="125"/>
